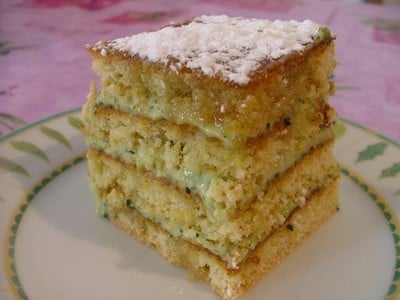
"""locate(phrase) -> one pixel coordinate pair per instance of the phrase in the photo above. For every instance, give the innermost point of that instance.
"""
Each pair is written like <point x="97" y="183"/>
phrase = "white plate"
<point x="55" y="247"/>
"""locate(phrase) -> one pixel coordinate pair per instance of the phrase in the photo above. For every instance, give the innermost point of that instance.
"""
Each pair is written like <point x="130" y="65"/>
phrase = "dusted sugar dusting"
<point x="231" y="47"/>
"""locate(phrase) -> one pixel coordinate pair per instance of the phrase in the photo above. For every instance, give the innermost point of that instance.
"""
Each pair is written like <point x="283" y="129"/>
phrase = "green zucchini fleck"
<point x="130" y="203"/>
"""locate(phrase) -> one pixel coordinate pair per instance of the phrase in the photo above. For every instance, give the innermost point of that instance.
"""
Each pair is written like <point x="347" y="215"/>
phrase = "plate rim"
<point x="391" y="217"/>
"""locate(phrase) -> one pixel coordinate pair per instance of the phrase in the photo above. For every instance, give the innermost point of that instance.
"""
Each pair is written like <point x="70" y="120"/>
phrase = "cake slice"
<point x="211" y="141"/>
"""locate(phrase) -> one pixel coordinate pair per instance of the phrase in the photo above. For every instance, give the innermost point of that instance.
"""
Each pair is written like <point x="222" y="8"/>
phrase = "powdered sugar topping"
<point x="231" y="47"/>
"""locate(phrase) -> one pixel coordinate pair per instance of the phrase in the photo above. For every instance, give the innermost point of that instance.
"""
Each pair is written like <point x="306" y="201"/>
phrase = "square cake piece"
<point x="211" y="141"/>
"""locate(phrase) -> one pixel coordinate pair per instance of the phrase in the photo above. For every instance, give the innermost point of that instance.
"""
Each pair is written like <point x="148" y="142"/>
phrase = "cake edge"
<point x="228" y="283"/>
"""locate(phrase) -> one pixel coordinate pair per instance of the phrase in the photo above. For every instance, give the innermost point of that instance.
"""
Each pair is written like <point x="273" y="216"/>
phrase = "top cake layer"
<point x="232" y="48"/>
<point x="231" y="78"/>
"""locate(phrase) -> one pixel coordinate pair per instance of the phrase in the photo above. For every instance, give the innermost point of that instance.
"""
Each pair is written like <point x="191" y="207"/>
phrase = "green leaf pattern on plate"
<point x="56" y="135"/>
<point x="29" y="148"/>
<point x="19" y="215"/>
<point x="391" y="171"/>
<point x="372" y="151"/>
<point x="11" y="166"/>
<point x="389" y="216"/>
<point x="75" y="122"/>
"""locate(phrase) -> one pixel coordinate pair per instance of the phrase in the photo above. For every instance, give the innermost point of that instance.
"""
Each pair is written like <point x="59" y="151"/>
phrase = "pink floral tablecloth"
<point x="44" y="68"/>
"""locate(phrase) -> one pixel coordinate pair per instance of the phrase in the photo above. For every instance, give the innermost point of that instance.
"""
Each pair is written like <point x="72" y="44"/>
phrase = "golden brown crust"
<point x="267" y="69"/>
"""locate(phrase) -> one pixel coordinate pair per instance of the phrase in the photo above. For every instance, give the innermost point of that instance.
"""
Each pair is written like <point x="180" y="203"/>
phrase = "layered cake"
<point x="211" y="141"/>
